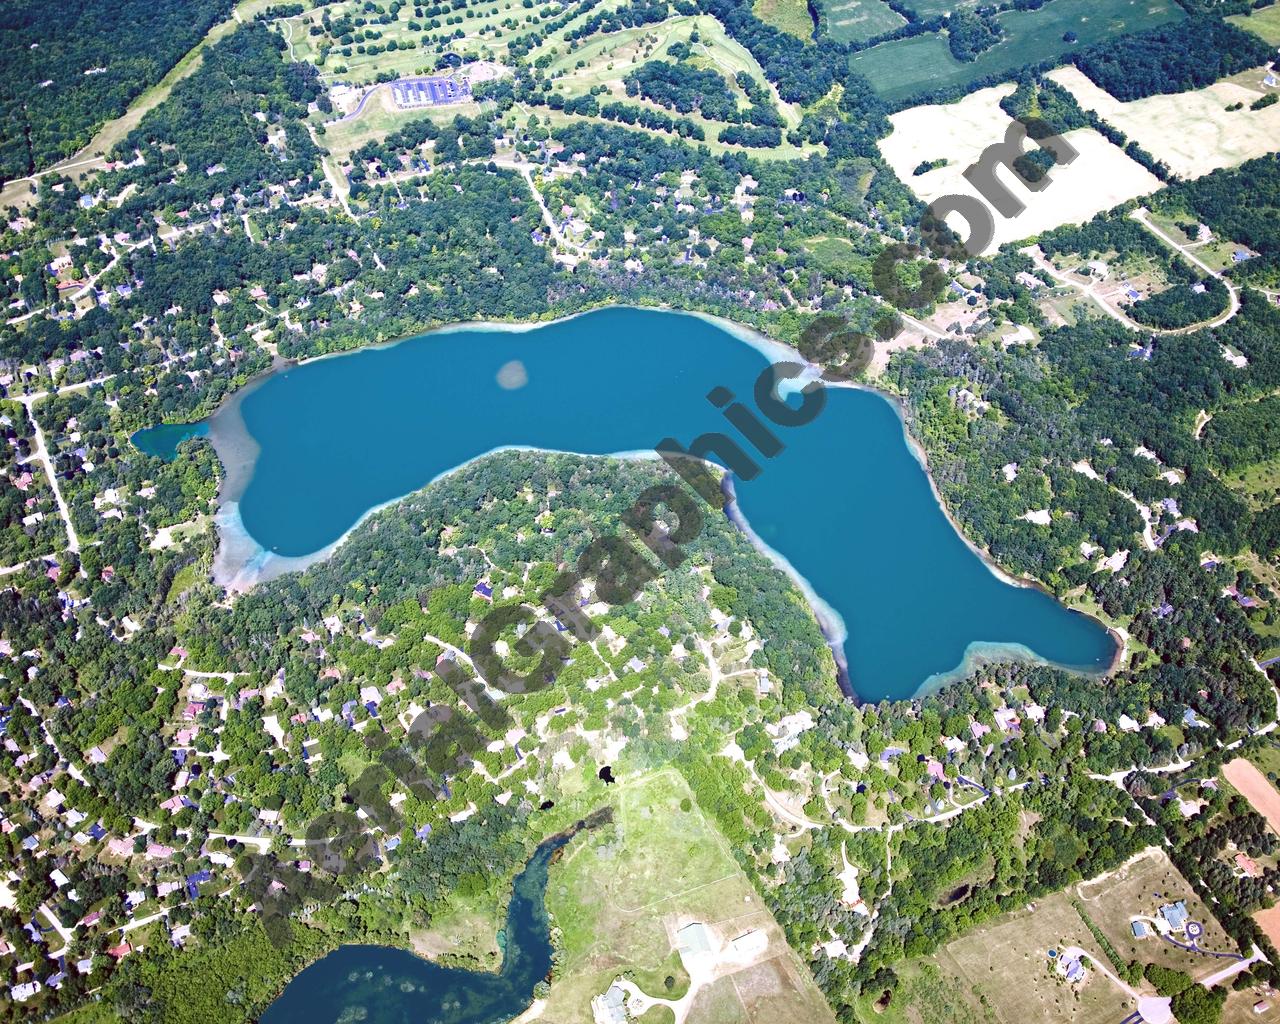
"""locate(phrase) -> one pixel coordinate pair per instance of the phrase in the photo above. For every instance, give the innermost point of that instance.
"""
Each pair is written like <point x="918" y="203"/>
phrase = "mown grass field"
<point x="851" y="21"/>
<point x="379" y="119"/>
<point x="927" y="9"/>
<point x="605" y="59"/>
<point x="906" y="68"/>
<point x="1264" y="23"/>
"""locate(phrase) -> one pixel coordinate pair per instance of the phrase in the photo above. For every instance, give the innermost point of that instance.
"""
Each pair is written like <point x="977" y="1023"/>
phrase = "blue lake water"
<point x="380" y="985"/>
<point x="846" y="503"/>
<point x="163" y="440"/>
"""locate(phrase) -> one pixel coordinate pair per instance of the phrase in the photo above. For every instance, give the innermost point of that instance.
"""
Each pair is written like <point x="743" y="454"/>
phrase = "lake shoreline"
<point x="965" y="667"/>
<point x="554" y="844"/>
<point x="240" y="562"/>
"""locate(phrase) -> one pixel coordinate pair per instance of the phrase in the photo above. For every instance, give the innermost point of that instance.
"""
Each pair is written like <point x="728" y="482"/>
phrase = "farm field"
<point x="789" y="15"/>
<point x="905" y="68"/>
<point x="1101" y="178"/>
<point x="1192" y="132"/>
<point x="1264" y="23"/>
<point x="1255" y="788"/>
<point x="851" y="21"/>
<point x="620" y="893"/>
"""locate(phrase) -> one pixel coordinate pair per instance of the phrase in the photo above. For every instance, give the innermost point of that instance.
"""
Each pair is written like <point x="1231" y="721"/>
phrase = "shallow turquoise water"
<point x="846" y="503"/>
<point x="380" y="985"/>
<point x="163" y="440"/>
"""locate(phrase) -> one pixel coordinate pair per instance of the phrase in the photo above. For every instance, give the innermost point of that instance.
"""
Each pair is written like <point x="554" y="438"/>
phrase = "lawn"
<point x="851" y="21"/>
<point x="379" y="119"/>
<point x="618" y="894"/>
<point x="1132" y="890"/>
<point x="1264" y="23"/>
<point x="906" y="68"/>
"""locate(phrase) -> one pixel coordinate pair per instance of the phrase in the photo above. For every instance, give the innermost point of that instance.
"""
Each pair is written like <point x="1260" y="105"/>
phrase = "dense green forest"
<point x="226" y="238"/>
<point x="1188" y="54"/>
<point x="66" y="66"/>
<point x="1244" y="435"/>
<point x="970" y="33"/>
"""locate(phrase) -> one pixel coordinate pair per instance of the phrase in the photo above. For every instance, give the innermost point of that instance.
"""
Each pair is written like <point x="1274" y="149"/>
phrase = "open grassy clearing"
<point x="928" y="992"/>
<point x="379" y="119"/>
<point x="838" y="257"/>
<point x="1258" y="484"/>
<point x="908" y="67"/>
<point x="556" y="118"/>
<point x="1100" y="178"/>
<point x="1267" y="758"/>
<point x="1264" y="23"/>
<point x="467" y="936"/>
<point x="90" y="1013"/>
<point x="789" y="15"/>
<point x="1000" y="972"/>
<point x="1006" y="965"/>
<point x="1131" y="891"/>
<point x="851" y="21"/>
<point x="1193" y="132"/>
<point x="927" y="9"/>
<point x="619" y="893"/>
